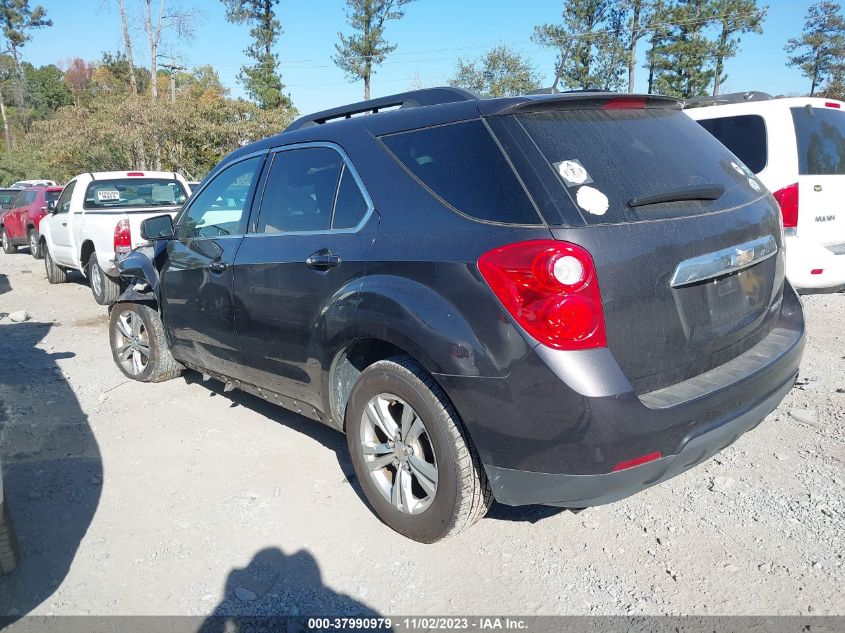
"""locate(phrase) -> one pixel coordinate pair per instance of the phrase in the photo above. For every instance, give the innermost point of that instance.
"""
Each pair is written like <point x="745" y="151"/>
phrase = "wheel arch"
<point x="85" y="253"/>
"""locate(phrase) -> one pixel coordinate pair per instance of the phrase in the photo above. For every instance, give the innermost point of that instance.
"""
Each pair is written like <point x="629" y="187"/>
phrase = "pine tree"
<point x="262" y="80"/>
<point x="734" y="17"/>
<point x="588" y="44"/>
<point x="685" y="61"/>
<point x="820" y="52"/>
<point x="658" y="37"/>
<point x="359" y="54"/>
<point x="17" y="19"/>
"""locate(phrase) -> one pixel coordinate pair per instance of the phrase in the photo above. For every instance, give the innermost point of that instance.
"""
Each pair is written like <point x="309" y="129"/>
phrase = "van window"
<point x="605" y="158"/>
<point x="820" y="133"/>
<point x="744" y="135"/>
<point x="462" y="165"/>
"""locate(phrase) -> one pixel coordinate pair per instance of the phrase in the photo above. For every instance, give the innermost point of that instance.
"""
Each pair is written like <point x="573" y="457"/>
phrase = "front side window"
<point x="462" y="165"/>
<point x="300" y="191"/>
<point x="820" y="133"/>
<point x="744" y="135"/>
<point x="134" y="192"/>
<point x="63" y="205"/>
<point x="221" y="208"/>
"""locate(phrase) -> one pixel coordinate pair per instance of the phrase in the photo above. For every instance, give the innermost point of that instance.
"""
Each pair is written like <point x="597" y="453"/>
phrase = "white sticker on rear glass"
<point x="738" y="169"/>
<point x="573" y="172"/>
<point x="592" y="200"/>
<point x="108" y="195"/>
<point x="754" y="184"/>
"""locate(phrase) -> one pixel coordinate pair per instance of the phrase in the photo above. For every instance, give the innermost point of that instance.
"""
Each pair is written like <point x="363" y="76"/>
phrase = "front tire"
<point x="35" y="244"/>
<point x="414" y="459"/>
<point x="106" y="290"/>
<point x="55" y="273"/>
<point x="138" y="344"/>
<point x="8" y="247"/>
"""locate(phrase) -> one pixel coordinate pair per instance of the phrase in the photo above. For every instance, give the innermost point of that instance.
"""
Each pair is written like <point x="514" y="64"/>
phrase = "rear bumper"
<point x="804" y="257"/>
<point x="553" y="431"/>
<point x="519" y="487"/>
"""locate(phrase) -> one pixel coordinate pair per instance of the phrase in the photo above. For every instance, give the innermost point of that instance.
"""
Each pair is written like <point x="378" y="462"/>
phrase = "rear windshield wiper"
<point x="697" y="192"/>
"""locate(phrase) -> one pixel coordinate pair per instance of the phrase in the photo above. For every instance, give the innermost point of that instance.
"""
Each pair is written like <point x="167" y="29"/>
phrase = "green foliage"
<point x="359" y="54"/>
<point x="820" y="51"/>
<point x="590" y="44"/>
<point x="735" y="16"/>
<point x="116" y="130"/>
<point x="17" y="18"/>
<point x="46" y="90"/>
<point x="262" y="80"/>
<point x="501" y="72"/>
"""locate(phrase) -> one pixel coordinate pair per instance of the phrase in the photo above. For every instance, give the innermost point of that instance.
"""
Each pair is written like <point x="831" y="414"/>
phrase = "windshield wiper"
<point x="697" y="192"/>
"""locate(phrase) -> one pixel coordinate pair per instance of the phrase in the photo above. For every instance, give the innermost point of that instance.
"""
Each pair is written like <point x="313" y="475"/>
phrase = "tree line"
<point x="113" y="113"/>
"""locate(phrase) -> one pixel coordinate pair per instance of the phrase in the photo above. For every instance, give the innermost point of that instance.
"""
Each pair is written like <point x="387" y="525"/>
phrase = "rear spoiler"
<point x="579" y="100"/>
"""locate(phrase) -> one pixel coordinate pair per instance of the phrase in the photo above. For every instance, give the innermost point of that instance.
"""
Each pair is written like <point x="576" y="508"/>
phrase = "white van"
<point x="796" y="147"/>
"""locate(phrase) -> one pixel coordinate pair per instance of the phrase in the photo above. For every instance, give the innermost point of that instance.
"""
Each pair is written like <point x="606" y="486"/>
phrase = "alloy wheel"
<point x="96" y="279"/>
<point x="33" y="243"/>
<point x="398" y="453"/>
<point x="132" y="343"/>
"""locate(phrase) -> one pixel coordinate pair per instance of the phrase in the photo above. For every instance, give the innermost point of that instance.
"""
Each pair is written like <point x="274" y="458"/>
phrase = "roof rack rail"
<point x="412" y="99"/>
<point x="733" y="97"/>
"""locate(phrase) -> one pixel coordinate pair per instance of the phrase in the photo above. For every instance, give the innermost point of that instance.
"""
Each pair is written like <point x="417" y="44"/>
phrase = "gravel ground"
<point x="179" y="499"/>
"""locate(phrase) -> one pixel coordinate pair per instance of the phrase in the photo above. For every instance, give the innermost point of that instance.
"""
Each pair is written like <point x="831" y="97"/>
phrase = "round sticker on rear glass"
<point x="573" y="172"/>
<point x="592" y="200"/>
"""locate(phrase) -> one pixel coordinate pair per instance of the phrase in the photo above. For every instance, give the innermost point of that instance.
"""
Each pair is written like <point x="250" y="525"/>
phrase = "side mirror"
<point x="159" y="227"/>
<point x="53" y="206"/>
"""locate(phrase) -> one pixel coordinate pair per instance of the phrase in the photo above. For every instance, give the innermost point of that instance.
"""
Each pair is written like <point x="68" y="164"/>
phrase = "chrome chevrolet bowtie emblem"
<point x="743" y="256"/>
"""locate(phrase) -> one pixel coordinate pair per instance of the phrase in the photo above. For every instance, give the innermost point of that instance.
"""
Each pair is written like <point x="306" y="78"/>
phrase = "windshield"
<point x="6" y="197"/>
<point x="134" y="192"/>
<point x="820" y="133"/>
<point x="605" y="159"/>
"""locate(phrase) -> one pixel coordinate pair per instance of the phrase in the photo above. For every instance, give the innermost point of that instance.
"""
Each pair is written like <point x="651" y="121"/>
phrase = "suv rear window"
<point x="462" y="165"/>
<point x="820" y="133"/>
<point x="618" y="155"/>
<point x="744" y="135"/>
<point x="134" y="192"/>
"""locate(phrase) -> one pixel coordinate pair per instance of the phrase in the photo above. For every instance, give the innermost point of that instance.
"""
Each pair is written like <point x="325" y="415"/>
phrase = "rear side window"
<point x="744" y="135"/>
<point x="300" y="191"/>
<point x="462" y="165"/>
<point x="606" y="158"/>
<point x="820" y="133"/>
<point x="351" y="207"/>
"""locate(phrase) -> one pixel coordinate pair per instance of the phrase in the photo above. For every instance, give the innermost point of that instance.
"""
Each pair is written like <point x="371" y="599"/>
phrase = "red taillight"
<point x="135" y="173"/>
<point x="832" y="104"/>
<point x="551" y="289"/>
<point x="637" y="461"/>
<point x="625" y="103"/>
<point x="788" y="200"/>
<point x="817" y="271"/>
<point x="122" y="238"/>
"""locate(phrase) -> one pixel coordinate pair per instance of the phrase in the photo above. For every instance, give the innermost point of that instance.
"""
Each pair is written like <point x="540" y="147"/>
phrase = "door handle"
<point x="217" y="266"/>
<point x="323" y="260"/>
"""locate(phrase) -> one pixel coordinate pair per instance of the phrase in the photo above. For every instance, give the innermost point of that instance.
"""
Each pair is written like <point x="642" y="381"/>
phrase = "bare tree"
<point x="5" y="124"/>
<point x="177" y="20"/>
<point x="127" y="43"/>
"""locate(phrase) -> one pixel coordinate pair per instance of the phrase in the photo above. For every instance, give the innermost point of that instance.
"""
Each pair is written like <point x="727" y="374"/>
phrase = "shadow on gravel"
<point x="52" y="469"/>
<point x="277" y="584"/>
<point x="5" y="286"/>
<point x="336" y="441"/>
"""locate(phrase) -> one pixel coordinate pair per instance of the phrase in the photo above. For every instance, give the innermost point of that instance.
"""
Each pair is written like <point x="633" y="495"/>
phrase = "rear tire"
<point x="8" y="247"/>
<point x="35" y="244"/>
<point x="106" y="290"/>
<point x="443" y="488"/>
<point x="9" y="552"/>
<point x="138" y="344"/>
<point x="55" y="273"/>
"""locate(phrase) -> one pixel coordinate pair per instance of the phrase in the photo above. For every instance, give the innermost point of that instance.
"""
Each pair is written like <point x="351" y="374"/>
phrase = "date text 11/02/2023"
<point x="419" y="623"/>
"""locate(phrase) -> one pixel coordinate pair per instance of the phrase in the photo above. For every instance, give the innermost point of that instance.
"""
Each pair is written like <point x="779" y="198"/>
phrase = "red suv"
<point x="19" y="225"/>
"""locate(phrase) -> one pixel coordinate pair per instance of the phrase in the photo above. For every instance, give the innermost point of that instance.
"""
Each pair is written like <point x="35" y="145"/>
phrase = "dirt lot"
<point x="179" y="499"/>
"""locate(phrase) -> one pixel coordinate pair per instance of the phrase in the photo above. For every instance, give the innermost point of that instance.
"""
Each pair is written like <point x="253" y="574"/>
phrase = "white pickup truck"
<point x="97" y="220"/>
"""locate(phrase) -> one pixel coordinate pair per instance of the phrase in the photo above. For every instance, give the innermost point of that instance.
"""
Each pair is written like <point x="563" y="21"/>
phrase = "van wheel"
<point x="138" y="344"/>
<point x="415" y="461"/>
<point x="55" y="273"/>
<point x="9" y="553"/>
<point x="105" y="289"/>
<point x="34" y="244"/>
<point x="8" y="247"/>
